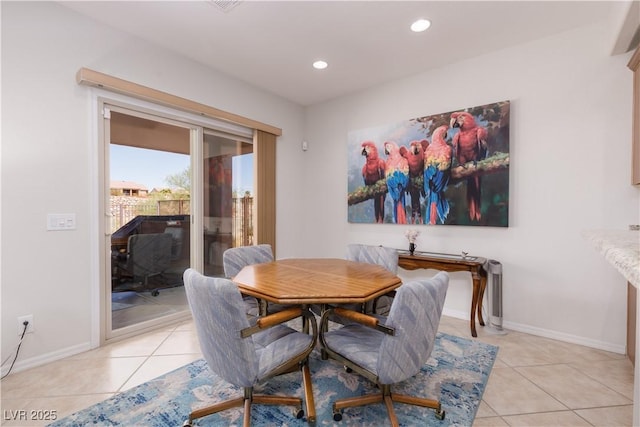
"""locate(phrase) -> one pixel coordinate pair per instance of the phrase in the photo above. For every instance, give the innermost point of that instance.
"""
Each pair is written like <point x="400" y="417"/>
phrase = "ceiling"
<point x="271" y="44"/>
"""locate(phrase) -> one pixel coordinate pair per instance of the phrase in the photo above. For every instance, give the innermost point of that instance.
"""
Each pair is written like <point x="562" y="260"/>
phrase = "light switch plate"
<point x="58" y="222"/>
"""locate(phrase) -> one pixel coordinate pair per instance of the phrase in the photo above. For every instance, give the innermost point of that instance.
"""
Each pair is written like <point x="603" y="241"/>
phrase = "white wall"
<point x="569" y="171"/>
<point x="47" y="165"/>
<point x="570" y="122"/>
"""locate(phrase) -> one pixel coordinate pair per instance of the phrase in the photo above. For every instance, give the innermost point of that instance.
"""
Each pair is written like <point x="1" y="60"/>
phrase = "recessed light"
<point x="320" y="65"/>
<point x="420" y="25"/>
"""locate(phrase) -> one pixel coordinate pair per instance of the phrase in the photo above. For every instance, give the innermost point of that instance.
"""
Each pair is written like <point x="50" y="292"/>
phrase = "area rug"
<point x="456" y="374"/>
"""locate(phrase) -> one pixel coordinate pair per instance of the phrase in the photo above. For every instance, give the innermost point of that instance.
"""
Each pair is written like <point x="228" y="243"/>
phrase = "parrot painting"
<point x="437" y="170"/>
<point x="470" y="145"/>
<point x="372" y="172"/>
<point x="415" y="157"/>
<point x="396" y="172"/>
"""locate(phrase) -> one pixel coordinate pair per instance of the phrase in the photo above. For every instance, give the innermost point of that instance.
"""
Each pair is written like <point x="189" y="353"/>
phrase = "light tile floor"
<point x="535" y="381"/>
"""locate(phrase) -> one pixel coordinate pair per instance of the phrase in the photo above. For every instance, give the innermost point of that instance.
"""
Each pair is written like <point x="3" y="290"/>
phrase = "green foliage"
<point x="180" y="182"/>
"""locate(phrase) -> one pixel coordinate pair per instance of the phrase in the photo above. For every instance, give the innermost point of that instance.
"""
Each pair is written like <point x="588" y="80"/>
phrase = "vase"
<point x="412" y="248"/>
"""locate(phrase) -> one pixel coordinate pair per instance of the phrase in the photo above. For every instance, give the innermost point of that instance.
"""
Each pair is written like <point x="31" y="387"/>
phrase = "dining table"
<point x="323" y="281"/>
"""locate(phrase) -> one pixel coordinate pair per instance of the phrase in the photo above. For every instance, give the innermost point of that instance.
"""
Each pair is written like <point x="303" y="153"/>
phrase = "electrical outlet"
<point x="30" y="327"/>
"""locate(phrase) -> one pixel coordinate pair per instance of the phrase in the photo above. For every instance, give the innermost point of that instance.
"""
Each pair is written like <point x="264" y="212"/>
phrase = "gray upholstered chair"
<point x="242" y="353"/>
<point x="380" y="255"/>
<point x="235" y="259"/>
<point x="388" y="350"/>
<point x="371" y="254"/>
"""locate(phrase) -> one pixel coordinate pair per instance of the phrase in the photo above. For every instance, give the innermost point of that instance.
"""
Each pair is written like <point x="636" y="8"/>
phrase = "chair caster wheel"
<point x="298" y="413"/>
<point x="440" y="413"/>
<point x="155" y="293"/>
<point x="337" y="415"/>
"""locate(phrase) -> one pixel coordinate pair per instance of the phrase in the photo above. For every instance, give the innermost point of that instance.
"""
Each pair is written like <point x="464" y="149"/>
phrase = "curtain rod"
<point x="88" y="77"/>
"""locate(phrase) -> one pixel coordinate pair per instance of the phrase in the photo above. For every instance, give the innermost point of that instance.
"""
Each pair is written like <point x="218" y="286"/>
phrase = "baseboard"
<point x="561" y="336"/>
<point x="43" y="359"/>
<point x="456" y="314"/>
<point x="546" y="333"/>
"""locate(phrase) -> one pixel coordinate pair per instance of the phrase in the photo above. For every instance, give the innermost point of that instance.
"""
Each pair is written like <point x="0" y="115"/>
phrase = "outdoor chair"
<point x="148" y="256"/>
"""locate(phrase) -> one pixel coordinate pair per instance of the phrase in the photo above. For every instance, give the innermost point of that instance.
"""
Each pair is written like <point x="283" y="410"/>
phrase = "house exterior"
<point x="126" y="188"/>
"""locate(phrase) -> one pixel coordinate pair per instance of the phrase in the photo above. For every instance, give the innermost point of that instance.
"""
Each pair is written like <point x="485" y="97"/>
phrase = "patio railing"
<point x="124" y="209"/>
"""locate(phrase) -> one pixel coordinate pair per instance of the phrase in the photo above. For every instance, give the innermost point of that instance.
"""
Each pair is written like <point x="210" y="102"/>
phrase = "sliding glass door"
<point x="177" y="193"/>
<point x="148" y="207"/>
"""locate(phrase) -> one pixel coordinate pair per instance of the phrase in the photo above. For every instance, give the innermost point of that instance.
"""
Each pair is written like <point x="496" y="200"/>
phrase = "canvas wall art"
<point x="449" y="168"/>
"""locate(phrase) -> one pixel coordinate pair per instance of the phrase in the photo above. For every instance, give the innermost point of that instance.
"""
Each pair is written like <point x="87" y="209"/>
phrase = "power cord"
<point x="17" y="350"/>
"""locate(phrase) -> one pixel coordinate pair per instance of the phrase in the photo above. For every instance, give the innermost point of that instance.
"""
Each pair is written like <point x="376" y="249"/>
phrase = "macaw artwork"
<point x="470" y="145"/>
<point x="220" y="186"/>
<point x="396" y="173"/>
<point x="372" y="172"/>
<point x="437" y="169"/>
<point x="443" y="169"/>
<point x="415" y="157"/>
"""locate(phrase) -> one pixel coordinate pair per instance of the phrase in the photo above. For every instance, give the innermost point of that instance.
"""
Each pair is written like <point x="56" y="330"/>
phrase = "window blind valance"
<point x="88" y="77"/>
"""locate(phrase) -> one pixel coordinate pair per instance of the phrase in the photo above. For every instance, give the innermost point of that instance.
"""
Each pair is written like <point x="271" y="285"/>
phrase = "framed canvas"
<point x="449" y="168"/>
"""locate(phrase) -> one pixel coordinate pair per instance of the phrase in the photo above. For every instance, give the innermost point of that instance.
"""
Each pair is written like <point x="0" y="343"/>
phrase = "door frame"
<point x="101" y="332"/>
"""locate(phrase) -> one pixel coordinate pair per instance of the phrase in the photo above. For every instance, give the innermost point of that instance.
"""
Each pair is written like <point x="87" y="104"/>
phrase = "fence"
<point x="242" y="221"/>
<point x="124" y="209"/>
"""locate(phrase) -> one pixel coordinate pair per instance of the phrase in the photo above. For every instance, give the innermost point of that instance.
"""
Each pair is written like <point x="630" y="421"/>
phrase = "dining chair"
<point x="379" y="255"/>
<point x="389" y="350"/>
<point x="245" y="351"/>
<point x="235" y="259"/>
<point x="370" y="254"/>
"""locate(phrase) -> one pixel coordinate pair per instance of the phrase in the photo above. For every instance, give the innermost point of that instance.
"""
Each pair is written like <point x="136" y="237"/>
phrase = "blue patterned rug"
<point x="456" y="374"/>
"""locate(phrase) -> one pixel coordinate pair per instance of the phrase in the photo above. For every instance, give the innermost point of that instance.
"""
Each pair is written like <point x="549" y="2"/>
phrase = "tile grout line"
<point x="147" y="358"/>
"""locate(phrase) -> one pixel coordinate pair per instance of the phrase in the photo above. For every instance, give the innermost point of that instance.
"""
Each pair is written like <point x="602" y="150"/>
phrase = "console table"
<point x="448" y="262"/>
